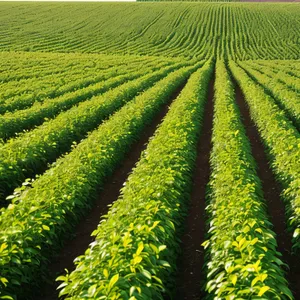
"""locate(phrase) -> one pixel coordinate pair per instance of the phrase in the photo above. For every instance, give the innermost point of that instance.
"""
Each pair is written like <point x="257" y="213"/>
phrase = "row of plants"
<point x="229" y="29"/>
<point x="271" y="69"/>
<point x="19" y="69"/>
<point x="136" y="244"/>
<point x="287" y="99"/>
<point x="15" y="122"/>
<point x="49" y="83"/>
<point x="35" y="224"/>
<point x="29" y="154"/>
<point x="40" y="93"/>
<point x="22" y="66"/>
<point x="290" y="67"/>
<point x="282" y="142"/>
<point x="241" y="257"/>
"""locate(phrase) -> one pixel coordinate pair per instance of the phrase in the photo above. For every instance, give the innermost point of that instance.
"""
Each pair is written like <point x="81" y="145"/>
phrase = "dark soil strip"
<point x="190" y="273"/>
<point x="108" y="194"/>
<point x="271" y="190"/>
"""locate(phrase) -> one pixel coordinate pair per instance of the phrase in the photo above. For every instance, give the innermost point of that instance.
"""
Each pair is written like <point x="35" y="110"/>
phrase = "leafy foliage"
<point x="201" y="30"/>
<point x="17" y="121"/>
<point x="282" y="141"/>
<point x="137" y="241"/>
<point x="29" y="154"/>
<point x="35" y="224"/>
<point x="242" y="262"/>
<point x="286" y="98"/>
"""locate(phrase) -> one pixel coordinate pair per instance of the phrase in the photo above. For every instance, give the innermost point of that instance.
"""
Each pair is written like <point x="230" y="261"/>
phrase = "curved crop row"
<point x="29" y="154"/>
<point x="47" y="72"/>
<point x="167" y="28"/>
<point x="33" y="226"/>
<point x="271" y="69"/>
<point x="290" y="67"/>
<point x="282" y="141"/>
<point x="46" y="86"/>
<point x="40" y="93"/>
<point x="20" y="69"/>
<point x="136" y="244"/>
<point x="20" y="66"/>
<point x="242" y="261"/>
<point x="12" y="123"/>
<point x="287" y="99"/>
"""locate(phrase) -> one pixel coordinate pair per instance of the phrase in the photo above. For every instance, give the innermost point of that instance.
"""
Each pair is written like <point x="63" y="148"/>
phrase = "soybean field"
<point x="149" y="150"/>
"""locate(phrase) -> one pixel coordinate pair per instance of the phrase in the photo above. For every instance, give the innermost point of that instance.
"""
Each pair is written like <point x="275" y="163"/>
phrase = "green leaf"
<point x="255" y="280"/>
<point x="263" y="290"/>
<point x="233" y="279"/>
<point x="154" y="248"/>
<point x="113" y="281"/>
<point x="3" y="247"/>
<point x="254" y="241"/>
<point x="4" y="281"/>
<point x="131" y="291"/>
<point x="45" y="227"/>
<point x="205" y="244"/>
<point x="146" y="273"/>
<point x="92" y="290"/>
<point x="164" y="263"/>
<point x="140" y="248"/>
<point x="61" y="278"/>
<point x="296" y="233"/>
<point x="162" y="248"/>
<point x="137" y="260"/>
<point x="157" y="279"/>
<point x="105" y="273"/>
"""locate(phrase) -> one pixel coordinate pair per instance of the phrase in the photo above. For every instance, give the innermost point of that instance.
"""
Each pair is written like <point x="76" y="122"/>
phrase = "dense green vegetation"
<point x="237" y="30"/>
<point x="32" y="229"/>
<point x="238" y="263"/>
<point x="282" y="142"/>
<point x="142" y="222"/>
<point x="79" y="85"/>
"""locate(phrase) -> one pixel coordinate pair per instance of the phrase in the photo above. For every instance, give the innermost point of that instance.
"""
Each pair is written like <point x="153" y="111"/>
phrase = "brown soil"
<point x="108" y="194"/>
<point x="271" y="190"/>
<point x="190" y="272"/>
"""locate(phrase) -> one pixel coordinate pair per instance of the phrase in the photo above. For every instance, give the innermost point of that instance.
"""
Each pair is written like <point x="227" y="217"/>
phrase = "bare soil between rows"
<point x="191" y="276"/>
<point x="107" y="195"/>
<point x="271" y="191"/>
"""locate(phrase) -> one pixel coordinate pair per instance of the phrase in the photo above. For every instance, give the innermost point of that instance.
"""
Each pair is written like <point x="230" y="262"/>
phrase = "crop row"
<point x="58" y="86"/>
<point x="241" y="257"/>
<point x="228" y="30"/>
<point x="27" y="113"/>
<point x="136" y="243"/>
<point x="18" y="67"/>
<point x="290" y="67"/>
<point x="21" y="70"/>
<point x="286" y="98"/>
<point x="34" y="225"/>
<point x="12" y="123"/>
<point x="52" y="84"/>
<point x="282" y="141"/>
<point x="272" y="70"/>
<point x="29" y="154"/>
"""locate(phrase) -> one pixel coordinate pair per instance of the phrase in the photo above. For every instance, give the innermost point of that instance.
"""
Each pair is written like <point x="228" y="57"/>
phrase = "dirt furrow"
<point x="190" y="274"/>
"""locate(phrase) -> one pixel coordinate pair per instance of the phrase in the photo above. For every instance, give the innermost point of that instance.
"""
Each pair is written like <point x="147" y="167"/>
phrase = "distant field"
<point x="234" y="30"/>
<point x="149" y="151"/>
